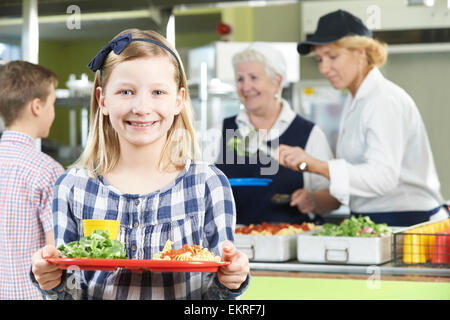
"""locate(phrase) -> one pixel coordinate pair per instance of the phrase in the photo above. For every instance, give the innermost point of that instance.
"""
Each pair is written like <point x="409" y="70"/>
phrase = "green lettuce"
<point x="95" y="246"/>
<point x="355" y="227"/>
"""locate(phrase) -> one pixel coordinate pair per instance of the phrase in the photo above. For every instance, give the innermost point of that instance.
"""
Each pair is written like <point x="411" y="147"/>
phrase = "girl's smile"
<point x="141" y="99"/>
<point x="142" y="124"/>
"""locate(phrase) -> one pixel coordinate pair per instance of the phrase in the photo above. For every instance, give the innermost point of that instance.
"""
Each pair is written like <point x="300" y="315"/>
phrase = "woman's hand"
<point x="291" y="157"/>
<point x="303" y="200"/>
<point x="47" y="274"/>
<point x="234" y="274"/>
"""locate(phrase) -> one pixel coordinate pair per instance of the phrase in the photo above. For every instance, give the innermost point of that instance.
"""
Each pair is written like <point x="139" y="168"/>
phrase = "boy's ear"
<point x="35" y="106"/>
<point x="101" y="100"/>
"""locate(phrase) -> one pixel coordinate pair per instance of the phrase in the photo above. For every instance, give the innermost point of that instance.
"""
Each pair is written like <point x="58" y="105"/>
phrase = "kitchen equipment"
<point x="278" y="247"/>
<point x="281" y="198"/>
<point x="344" y="250"/>
<point x="441" y="252"/>
<point x="424" y="244"/>
<point x="285" y="199"/>
<point x="267" y="248"/>
<point x="79" y="87"/>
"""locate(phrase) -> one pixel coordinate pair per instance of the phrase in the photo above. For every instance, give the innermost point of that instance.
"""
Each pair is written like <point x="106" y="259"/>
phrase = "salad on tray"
<point x="355" y="227"/>
<point x="97" y="245"/>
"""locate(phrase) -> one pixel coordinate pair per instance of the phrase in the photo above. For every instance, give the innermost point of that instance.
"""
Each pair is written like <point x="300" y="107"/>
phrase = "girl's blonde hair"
<point x="376" y="52"/>
<point x="102" y="148"/>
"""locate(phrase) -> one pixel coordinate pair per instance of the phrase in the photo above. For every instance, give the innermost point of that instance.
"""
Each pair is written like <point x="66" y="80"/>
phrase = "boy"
<point x="27" y="97"/>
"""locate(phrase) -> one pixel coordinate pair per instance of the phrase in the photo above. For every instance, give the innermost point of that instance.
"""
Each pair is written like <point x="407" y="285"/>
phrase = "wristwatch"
<point x="302" y="166"/>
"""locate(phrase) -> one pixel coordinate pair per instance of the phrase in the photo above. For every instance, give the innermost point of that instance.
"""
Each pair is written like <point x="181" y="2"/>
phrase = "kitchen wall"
<point x="426" y="77"/>
<point x="277" y="23"/>
<point x="65" y="58"/>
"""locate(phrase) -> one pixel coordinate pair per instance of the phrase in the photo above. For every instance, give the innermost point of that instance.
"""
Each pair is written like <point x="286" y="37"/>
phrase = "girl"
<point x="137" y="168"/>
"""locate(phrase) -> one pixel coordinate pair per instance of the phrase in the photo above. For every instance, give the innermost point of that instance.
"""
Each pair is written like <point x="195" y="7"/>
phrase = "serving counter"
<point x="293" y="280"/>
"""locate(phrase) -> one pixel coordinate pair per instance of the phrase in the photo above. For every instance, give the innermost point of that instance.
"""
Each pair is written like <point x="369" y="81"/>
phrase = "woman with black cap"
<point x="384" y="166"/>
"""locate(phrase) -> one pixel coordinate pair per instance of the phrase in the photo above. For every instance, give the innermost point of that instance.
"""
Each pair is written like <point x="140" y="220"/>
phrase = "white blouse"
<point x="383" y="157"/>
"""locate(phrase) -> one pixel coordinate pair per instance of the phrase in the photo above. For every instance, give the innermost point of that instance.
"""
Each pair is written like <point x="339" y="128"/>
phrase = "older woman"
<point x="384" y="167"/>
<point x="268" y="120"/>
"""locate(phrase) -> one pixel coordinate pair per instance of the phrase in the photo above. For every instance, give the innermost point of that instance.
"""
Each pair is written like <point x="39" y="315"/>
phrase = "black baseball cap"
<point x="332" y="27"/>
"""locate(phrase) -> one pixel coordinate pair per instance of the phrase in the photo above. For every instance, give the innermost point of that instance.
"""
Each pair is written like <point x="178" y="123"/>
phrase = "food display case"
<point x="418" y="251"/>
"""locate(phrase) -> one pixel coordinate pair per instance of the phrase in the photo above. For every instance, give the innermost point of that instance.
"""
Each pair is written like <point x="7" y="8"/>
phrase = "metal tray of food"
<point x="344" y="250"/>
<point x="267" y="248"/>
<point x="273" y="248"/>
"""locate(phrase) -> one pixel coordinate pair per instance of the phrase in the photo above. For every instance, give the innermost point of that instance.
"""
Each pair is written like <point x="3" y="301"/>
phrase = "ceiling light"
<point x="427" y="3"/>
<point x="133" y="14"/>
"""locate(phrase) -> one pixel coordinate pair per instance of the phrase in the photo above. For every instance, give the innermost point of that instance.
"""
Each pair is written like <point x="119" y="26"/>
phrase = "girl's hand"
<point x="234" y="274"/>
<point x="303" y="200"/>
<point x="47" y="274"/>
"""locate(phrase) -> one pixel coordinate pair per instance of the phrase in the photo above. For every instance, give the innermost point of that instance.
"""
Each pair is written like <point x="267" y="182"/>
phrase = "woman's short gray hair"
<point x="272" y="60"/>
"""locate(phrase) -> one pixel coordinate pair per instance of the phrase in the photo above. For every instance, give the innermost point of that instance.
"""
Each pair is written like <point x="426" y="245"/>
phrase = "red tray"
<point x="138" y="265"/>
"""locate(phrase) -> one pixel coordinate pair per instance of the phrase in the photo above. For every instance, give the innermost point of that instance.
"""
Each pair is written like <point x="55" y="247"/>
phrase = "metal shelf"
<point x="385" y="269"/>
<point x="418" y="48"/>
<point x="72" y="103"/>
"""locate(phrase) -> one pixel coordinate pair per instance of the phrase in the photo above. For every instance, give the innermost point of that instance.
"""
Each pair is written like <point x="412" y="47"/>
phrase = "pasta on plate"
<point x="186" y="253"/>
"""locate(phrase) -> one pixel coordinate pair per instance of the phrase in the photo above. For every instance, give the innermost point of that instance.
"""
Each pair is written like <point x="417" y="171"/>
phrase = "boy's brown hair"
<point x="21" y="82"/>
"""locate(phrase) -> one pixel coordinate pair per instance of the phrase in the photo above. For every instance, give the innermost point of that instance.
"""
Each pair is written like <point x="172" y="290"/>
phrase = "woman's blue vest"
<point x="253" y="203"/>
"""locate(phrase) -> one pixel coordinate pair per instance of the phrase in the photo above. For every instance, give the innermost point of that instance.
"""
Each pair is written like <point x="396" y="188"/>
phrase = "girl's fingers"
<point x="232" y="281"/>
<point x="46" y="280"/>
<point x="49" y="251"/>
<point x="50" y="284"/>
<point x="234" y="274"/>
<point x="43" y="266"/>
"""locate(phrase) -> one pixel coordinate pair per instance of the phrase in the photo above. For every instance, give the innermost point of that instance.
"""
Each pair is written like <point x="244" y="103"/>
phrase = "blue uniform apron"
<point x="253" y="203"/>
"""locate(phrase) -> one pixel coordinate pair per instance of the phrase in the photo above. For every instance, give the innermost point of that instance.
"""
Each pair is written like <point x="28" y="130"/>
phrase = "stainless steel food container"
<point x="267" y="247"/>
<point x="344" y="250"/>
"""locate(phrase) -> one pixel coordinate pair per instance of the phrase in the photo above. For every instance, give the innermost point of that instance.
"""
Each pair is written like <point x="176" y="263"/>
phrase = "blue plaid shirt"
<point x="197" y="208"/>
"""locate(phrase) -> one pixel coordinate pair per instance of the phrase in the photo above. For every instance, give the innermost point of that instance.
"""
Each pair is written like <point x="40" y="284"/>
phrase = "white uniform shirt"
<point x="383" y="157"/>
<point x="317" y="144"/>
